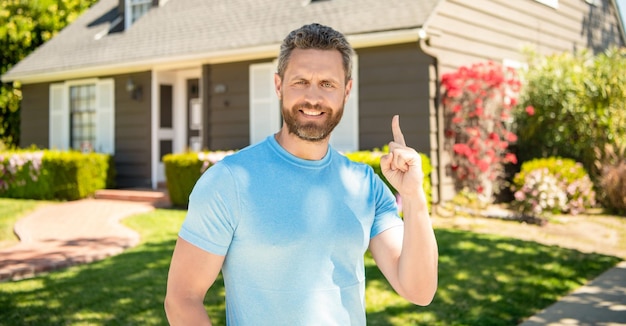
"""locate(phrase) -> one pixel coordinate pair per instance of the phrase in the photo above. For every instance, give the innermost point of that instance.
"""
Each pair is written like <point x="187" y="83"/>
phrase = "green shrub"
<point x="181" y="172"/>
<point x="577" y="101"/>
<point x="552" y="185"/>
<point x="372" y="158"/>
<point x="61" y="175"/>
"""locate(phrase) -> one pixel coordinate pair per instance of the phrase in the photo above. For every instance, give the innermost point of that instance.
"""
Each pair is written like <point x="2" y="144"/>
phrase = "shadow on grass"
<point x="127" y="289"/>
<point x="491" y="280"/>
<point x="484" y="280"/>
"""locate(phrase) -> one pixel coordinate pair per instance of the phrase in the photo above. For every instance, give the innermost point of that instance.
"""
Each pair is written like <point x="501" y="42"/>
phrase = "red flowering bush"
<point x="477" y="103"/>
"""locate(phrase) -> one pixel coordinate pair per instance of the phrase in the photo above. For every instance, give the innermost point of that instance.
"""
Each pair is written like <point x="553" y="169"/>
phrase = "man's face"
<point x="313" y="93"/>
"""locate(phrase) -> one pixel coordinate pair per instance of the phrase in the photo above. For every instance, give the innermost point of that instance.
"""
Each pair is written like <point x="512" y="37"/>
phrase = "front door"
<point x="177" y="117"/>
<point x="165" y="116"/>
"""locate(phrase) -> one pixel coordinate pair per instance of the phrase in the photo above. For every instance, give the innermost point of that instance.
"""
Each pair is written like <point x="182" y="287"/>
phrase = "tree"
<point x="24" y="26"/>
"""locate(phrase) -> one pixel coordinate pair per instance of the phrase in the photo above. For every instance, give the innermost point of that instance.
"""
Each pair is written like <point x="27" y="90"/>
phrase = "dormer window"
<point x="135" y="9"/>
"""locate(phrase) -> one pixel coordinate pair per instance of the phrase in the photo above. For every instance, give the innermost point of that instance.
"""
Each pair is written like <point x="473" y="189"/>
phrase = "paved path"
<point x="600" y="302"/>
<point x="64" y="234"/>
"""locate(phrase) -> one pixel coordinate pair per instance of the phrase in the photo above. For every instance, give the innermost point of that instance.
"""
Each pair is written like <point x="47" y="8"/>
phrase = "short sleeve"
<point x="386" y="211"/>
<point x="212" y="211"/>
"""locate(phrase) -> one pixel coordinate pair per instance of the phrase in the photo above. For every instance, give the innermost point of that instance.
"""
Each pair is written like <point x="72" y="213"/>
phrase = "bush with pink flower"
<point x="552" y="185"/>
<point x="15" y="167"/>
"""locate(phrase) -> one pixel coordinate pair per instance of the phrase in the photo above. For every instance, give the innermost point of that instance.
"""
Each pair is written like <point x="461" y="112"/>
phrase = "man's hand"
<point x="403" y="165"/>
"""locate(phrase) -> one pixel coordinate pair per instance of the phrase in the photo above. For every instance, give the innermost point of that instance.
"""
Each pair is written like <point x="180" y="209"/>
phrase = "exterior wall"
<point x="34" y="115"/>
<point x="398" y="80"/>
<point x="132" y="123"/>
<point x="228" y="120"/>
<point x="466" y="32"/>
<point x="133" y="132"/>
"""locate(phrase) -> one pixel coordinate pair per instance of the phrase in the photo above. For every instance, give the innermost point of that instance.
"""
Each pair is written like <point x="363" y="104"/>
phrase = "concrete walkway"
<point x="602" y="301"/>
<point x="65" y="234"/>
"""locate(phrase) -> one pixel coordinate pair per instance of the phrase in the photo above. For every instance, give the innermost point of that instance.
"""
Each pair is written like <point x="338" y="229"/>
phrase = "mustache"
<point x="310" y="106"/>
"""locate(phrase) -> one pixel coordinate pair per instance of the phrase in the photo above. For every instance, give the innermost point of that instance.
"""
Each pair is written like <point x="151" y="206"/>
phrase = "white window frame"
<point x="550" y="3"/>
<point x="59" y="110"/>
<point x="264" y="107"/>
<point x="130" y="7"/>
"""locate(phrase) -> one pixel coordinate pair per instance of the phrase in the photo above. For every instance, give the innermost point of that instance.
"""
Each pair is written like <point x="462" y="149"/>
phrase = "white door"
<point x="165" y="120"/>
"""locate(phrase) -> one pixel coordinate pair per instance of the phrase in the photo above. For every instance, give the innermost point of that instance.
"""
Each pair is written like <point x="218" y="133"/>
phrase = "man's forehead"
<point x="302" y="60"/>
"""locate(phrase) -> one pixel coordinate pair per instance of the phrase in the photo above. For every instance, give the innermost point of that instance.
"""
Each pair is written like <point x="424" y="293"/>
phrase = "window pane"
<point x="83" y="116"/>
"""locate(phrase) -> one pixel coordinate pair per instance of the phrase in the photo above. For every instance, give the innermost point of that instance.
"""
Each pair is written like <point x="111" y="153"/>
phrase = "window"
<point x="551" y="3"/>
<point x="83" y="117"/>
<point x="135" y="9"/>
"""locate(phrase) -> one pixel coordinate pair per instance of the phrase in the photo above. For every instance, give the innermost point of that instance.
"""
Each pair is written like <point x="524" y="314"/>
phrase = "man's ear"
<point x="278" y="84"/>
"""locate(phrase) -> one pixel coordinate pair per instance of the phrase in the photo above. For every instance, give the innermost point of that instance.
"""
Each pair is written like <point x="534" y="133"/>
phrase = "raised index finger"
<point x="398" y="137"/>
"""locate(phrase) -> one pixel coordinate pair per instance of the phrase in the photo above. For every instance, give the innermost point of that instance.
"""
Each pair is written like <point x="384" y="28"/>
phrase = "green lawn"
<point x="10" y="211"/>
<point x="484" y="280"/>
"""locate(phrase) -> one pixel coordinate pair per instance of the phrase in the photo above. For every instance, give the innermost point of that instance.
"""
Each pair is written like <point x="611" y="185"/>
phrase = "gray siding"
<point x="34" y="115"/>
<point x="228" y="115"/>
<point x="132" y="132"/>
<point x="399" y="79"/>
<point x="394" y="80"/>
<point x="464" y="32"/>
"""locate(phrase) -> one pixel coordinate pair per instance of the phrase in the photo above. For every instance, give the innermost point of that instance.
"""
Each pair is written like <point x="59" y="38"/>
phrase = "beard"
<point x="313" y="131"/>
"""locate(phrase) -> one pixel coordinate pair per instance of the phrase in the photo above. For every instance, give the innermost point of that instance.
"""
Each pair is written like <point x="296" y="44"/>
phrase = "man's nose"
<point x="314" y="95"/>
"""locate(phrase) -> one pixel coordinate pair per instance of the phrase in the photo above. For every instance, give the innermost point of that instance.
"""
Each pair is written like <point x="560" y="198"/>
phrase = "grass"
<point x="484" y="280"/>
<point x="10" y="211"/>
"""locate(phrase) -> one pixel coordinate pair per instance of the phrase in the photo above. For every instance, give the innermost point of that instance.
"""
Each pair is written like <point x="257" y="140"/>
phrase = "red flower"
<point x="511" y="137"/>
<point x="510" y="158"/>
<point x="483" y="165"/>
<point x="462" y="149"/>
<point x="530" y="110"/>
<point x="479" y="111"/>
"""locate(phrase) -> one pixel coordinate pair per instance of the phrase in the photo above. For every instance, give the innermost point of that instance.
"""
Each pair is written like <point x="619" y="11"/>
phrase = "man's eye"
<point x="327" y="84"/>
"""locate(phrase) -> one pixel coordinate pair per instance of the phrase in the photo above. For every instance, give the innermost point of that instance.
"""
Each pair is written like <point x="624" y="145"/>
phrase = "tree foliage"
<point x="579" y="102"/>
<point x="24" y="26"/>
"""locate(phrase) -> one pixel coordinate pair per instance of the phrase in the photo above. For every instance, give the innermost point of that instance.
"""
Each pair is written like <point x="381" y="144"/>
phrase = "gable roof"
<point x="208" y="31"/>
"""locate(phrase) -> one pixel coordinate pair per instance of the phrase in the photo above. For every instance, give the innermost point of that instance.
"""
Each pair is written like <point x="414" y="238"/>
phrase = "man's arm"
<point x="192" y="272"/>
<point x="408" y="258"/>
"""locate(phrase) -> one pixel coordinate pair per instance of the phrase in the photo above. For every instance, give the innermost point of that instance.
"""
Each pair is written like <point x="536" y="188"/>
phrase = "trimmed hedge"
<point x="62" y="175"/>
<point x="181" y="173"/>
<point x="183" y="170"/>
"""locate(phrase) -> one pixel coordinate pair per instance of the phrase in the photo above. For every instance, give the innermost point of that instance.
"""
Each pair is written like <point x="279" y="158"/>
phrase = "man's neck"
<point x="304" y="149"/>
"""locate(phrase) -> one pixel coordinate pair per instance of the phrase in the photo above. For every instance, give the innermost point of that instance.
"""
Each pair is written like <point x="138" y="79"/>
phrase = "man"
<point x="288" y="220"/>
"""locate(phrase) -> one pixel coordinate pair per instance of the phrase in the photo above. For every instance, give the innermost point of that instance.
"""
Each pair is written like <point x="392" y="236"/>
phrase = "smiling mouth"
<point x="312" y="113"/>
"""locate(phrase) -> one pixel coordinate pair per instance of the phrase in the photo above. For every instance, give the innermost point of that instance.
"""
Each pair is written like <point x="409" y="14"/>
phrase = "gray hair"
<point x="319" y="37"/>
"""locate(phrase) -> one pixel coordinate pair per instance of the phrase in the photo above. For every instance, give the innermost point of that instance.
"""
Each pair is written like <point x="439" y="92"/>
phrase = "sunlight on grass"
<point x="483" y="280"/>
<point x="10" y="211"/>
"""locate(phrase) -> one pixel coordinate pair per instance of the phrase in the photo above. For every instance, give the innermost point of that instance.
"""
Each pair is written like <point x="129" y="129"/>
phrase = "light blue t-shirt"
<point x="293" y="232"/>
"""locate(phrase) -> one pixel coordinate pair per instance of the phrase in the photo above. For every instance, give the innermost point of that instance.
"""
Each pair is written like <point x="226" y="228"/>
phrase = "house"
<point x="143" y="78"/>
